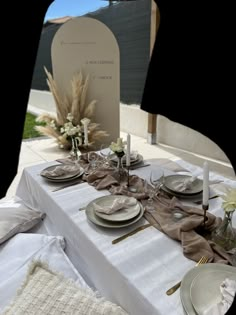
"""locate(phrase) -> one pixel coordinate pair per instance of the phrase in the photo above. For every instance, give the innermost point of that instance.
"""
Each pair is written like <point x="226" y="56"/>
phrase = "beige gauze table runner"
<point x="188" y="230"/>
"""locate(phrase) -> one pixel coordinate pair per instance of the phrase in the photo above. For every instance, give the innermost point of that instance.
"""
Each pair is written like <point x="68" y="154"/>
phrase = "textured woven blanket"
<point x="49" y="293"/>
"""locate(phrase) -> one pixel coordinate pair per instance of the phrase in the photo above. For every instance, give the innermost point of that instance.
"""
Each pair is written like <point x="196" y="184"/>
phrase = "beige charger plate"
<point x="205" y="289"/>
<point x="91" y="215"/>
<point x="62" y="178"/>
<point x="171" y="180"/>
<point x="190" y="276"/>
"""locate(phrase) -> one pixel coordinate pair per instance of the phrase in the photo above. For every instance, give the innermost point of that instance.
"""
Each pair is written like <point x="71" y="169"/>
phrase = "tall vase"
<point x="225" y="234"/>
<point x="75" y="152"/>
<point x="121" y="172"/>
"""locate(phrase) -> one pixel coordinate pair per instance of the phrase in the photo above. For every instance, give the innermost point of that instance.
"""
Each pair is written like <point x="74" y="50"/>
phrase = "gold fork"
<point x="203" y="260"/>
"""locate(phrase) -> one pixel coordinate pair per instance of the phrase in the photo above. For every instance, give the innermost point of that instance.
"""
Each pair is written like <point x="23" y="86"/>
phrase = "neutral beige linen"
<point x="117" y="204"/>
<point x="189" y="230"/>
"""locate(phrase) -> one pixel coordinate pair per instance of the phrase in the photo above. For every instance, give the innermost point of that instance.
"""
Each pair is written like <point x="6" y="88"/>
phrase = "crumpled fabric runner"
<point x="188" y="229"/>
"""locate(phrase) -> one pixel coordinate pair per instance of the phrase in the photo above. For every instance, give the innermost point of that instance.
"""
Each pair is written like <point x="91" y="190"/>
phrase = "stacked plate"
<point x="62" y="173"/>
<point x="121" y="218"/>
<point x="135" y="159"/>
<point x="200" y="287"/>
<point x="174" y="185"/>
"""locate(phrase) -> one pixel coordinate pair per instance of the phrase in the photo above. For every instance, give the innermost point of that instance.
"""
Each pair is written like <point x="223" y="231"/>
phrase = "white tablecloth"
<point x="134" y="273"/>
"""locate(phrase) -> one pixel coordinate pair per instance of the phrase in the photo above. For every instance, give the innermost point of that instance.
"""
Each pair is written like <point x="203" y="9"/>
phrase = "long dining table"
<point x="134" y="273"/>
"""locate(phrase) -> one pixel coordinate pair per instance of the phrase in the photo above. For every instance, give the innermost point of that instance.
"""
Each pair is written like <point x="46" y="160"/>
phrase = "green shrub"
<point x="29" y="131"/>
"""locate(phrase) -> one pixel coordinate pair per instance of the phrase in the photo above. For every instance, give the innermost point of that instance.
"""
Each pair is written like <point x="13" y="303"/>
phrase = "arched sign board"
<point x="87" y="45"/>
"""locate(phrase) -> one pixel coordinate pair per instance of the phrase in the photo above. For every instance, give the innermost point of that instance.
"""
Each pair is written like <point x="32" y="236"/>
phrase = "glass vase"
<point x="75" y="151"/>
<point x="120" y="170"/>
<point x="225" y="234"/>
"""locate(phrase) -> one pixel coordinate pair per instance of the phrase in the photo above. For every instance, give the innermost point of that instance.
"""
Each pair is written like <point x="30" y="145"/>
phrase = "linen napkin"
<point x="184" y="185"/>
<point x="117" y="204"/>
<point x="61" y="170"/>
<point x="228" y="291"/>
<point x="102" y="178"/>
<point x="188" y="229"/>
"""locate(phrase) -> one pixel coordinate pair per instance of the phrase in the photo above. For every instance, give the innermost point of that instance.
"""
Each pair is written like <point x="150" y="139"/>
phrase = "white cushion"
<point x="16" y="218"/>
<point x="47" y="292"/>
<point x="17" y="253"/>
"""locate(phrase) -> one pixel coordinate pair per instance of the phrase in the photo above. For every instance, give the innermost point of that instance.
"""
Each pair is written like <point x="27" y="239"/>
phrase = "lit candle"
<point x="205" y="195"/>
<point x="128" y="151"/>
<point x="85" y="122"/>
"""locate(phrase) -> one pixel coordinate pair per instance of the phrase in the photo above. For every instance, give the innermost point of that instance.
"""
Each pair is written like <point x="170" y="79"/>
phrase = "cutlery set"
<point x="68" y="185"/>
<point x="203" y="260"/>
<point x="138" y="229"/>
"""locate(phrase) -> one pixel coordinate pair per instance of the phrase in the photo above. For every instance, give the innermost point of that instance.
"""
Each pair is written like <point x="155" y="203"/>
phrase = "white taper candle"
<point x="205" y="195"/>
<point x="86" y="134"/>
<point x="128" y="151"/>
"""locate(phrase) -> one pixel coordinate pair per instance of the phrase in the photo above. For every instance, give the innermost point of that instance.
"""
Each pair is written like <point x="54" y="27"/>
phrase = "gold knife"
<point x="140" y="228"/>
<point x="68" y="185"/>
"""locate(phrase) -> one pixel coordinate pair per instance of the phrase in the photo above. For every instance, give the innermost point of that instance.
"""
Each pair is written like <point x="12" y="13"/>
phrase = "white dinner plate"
<point x="205" y="288"/>
<point x="193" y="198"/>
<point x="172" y="181"/>
<point x="190" y="276"/>
<point x="62" y="178"/>
<point x="89" y="210"/>
<point x="120" y="215"/>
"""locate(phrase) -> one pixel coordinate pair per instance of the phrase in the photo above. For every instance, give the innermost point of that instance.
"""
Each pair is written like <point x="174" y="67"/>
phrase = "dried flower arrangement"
<point x="73" y="104"/>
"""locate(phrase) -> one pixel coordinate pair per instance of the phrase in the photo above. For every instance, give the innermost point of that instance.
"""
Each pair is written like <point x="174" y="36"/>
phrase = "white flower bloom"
<point x="229" y="203"/>
<point x="118" y="146"/>
<point x="69" y="130"/>
<point x="52" y="124"/>
<point x="70" y="117"/>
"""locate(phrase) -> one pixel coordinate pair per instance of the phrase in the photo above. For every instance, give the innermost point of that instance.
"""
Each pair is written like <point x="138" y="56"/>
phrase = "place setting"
<point x="208" y="289"/>
<point x="65" y="174"/>
<point x="114" y="211"/>
<point x="183" y="186"/>
<point x="136" y="160"/>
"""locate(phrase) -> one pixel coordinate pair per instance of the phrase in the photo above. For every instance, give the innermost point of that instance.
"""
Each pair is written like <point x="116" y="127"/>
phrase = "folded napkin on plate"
<point x="184" y="185"/>
<point x="117" y="204"/>
<point x="61" y="170"/>
<point x="228" y="291"/>
<point x="188" y="229"/>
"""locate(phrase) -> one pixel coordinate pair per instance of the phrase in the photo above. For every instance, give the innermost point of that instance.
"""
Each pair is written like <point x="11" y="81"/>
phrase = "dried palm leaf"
<point x="48" y="131"/>
<point x="45" y="118"/>
<point x="73" y="103"/>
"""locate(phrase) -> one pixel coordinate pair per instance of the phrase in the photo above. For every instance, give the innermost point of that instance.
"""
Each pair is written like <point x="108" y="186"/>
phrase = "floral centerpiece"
<point x="118" y="147"/>
<point x="229" y="203"/>
<point x="225" y="235"/>
<point x="73" y="115"/>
